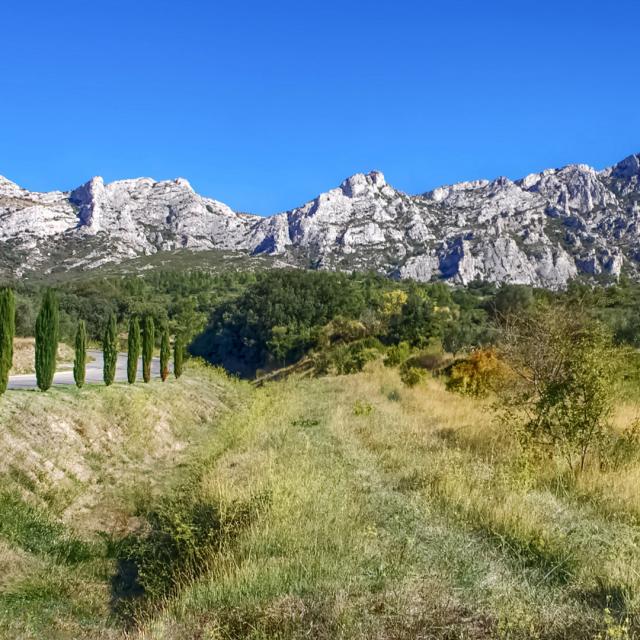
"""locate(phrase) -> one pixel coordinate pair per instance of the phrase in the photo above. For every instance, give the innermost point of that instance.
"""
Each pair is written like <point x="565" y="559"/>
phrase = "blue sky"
<point x="264" y="105"/>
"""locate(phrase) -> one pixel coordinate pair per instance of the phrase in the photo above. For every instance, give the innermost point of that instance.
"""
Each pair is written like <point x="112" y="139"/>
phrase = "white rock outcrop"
<point x="543" y="229"/>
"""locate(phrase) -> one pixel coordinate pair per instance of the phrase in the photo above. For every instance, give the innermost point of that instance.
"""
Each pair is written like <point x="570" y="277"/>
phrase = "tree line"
<point x="141" y="342"/>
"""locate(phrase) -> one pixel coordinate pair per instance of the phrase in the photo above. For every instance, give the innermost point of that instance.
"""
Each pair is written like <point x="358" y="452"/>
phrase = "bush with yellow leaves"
<point x="477" y="374"/>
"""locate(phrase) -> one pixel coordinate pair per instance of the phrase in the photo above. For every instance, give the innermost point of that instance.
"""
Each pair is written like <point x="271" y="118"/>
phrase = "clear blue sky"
<point x="265" y="104"/>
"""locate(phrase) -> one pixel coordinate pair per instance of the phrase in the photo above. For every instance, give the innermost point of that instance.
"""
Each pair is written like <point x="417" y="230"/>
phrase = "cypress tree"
<point x="133" y="349"/>
<point x="80" y="361"/>
<point x="47" y="331"/>
<point x="148" y="341"/>
<point x="110" y="350"/>
<point x="7" y="332"/>
<point x="178" y="356"/>
<point x="165" y="352"/>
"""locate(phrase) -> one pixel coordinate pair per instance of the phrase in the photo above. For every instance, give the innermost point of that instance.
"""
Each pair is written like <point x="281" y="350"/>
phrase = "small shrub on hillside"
<point x="361" y="408"/>
<point x="305" y="423"/>
<point x="183" y="532"/>
<point x="478" y="374"/>
<point x="348" y="358"/>
<point x="411" y="376"/>
<point x="397" y="354"/>
<point x="394" y="395"/>
<point x="341" y="330"/>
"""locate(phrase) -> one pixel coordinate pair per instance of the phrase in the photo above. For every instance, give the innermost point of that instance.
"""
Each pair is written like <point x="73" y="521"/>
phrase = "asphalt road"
<point x="94" y="372"/>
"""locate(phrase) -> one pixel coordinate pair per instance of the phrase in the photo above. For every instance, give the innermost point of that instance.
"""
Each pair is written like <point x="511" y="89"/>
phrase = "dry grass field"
<point x="24" y="355"/>
<point x="338" y="507"/>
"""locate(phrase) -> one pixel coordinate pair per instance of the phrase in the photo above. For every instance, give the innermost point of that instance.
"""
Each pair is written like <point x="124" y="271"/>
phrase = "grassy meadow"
<point x="335" y="507"/>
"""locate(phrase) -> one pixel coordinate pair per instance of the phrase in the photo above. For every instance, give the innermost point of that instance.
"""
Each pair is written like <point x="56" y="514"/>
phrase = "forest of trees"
<point x="285" y="314"/>
<point x="251" y="322"/>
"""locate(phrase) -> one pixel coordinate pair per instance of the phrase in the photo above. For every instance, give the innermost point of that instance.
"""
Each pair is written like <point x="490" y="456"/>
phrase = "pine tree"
<point x="165" y="354"/>
<point x="178" y="356"/>
<point x="47" y="331"/>
<point x="110" y="350"/>
<point x="148" y="342"/>
<point x="80" y="361"/>
<point x="7" y="332"/>
<point x="133" y="353"/>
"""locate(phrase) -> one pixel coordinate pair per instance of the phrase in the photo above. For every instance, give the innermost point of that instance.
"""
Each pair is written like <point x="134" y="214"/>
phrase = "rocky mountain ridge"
<point x="544" y="229"/>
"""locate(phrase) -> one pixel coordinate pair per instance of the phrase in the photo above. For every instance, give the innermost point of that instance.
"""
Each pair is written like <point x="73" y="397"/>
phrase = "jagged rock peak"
<point x="543" y="229"/>
<point x="626" y="168"/>
<point x="360" y="183"/>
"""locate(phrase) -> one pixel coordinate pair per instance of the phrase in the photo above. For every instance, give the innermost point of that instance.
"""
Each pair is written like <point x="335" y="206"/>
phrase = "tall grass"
<point x="355" y="507"/>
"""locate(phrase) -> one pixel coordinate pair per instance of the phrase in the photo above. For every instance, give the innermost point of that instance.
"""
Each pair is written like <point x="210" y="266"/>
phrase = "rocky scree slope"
<point x="544" y="229"/>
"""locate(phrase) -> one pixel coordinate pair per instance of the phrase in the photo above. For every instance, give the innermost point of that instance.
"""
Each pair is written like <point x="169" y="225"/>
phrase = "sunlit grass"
<point x="383" y="512"/>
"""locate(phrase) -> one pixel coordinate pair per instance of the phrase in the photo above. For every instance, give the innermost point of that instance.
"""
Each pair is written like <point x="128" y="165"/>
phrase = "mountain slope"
<point x="543" y="229"/>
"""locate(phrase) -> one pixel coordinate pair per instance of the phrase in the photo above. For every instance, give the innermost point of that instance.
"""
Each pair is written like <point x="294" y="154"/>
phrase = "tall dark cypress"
<point x="47" y="331"/>
<point x="148" y="342"/>
<point x="7" y="333"/>
<point x="178" y="355"/>
<point x="80" y="361"/>
<point x="133" y="349"/>
<point x="165" y="354"/>
<point x="110" y="350"/>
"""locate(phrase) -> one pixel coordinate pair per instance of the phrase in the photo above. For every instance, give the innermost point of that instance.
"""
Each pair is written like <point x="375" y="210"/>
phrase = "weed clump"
<point x="411" y="376"/>
<point x="183" y="533"/>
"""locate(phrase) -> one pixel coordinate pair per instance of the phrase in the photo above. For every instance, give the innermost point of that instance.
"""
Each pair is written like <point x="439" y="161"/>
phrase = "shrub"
<point x="478" y="374"/>
<point x="7" y="333"/>
<point x="411" y="376"/>
<point x="47" y="330"/>
<point x="341" y="330"/>
<point x="561" y="397"/>
<point x="394" y="395"/>
<point x="182" y="534"/>
<point x="353" y="357"/>
<point x="133" y="349"/>
<point x="397" y="354"/>
<point x="80" y="360"/>
<point x="361" y="408"/>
